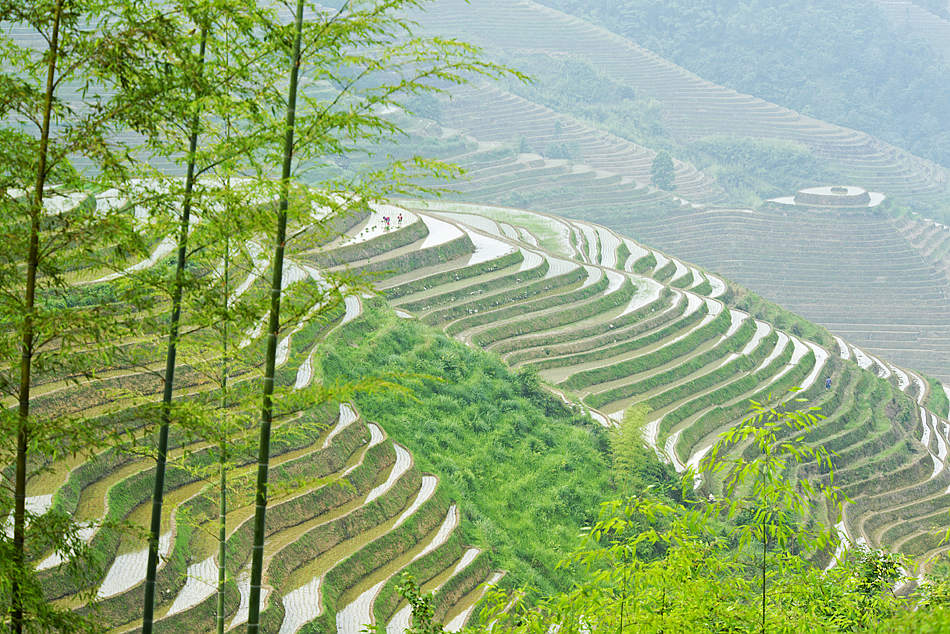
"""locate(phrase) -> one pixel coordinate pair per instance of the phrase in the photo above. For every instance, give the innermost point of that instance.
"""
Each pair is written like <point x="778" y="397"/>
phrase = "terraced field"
<point x="612" y="323"/>
<point x="349" y="511"/>
<point x="876" y="281"/>
<point x="693" y="108"/>
<point x="491" y="114"/>
<point x="829" y="269"/>
<point x="916" y="21"/>
<point x="604" y="320"/>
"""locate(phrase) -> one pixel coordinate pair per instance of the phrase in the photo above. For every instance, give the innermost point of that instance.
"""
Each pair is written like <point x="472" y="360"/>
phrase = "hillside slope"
<point x="605" y="321"/>
<point x="613" y="323"/>
<point x="875" y="65"/>
<point x="520" y="153"/>
<point x="693" y="107"/>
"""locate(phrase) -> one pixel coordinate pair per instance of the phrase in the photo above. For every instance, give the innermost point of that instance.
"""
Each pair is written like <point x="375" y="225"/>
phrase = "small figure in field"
<point x="399" y="219"/>
<point x="386" y="222"/>
<point x="828" y="383"/>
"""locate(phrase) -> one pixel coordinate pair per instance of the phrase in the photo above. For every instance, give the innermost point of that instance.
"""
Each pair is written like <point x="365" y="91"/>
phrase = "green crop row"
<point x="937" y="401"/>
<point x="719" y="414"/>
<point x="623" y="252"/>
<point x="272" y="615"/>
<point x="169" y="580"/>
<point x="546" y="302"/>
<point x="313" y="503"/>
<point x="924" y="488"/>
<point x="721" y="374"/>
<point x="516" y="294"/>
<point x="918" y="469"/>
<point x="373" y="247"/>
<point x="326" y="535"/>
<point x="463" y="273"/>
<point x="519" y="305"/>
<point x="780" y="318"/>
<point x="422" y="570"/>
<point x="733" y="344"/>
<point x="653" y="359"/>
<point x="644" y="264"/>
<point x="196" y="619"/>
<point x="879" y="435"/>
<point x="129" y="493"/>
<point x="378" y="553"/>
<point x="931" y="504"/>
<point x="892" y="459"/>
<point x="665" y="273"/>
<point x="420" y="258"/>
<point x="558" y="318"/>
<point x="601" y="348"/>
<point x="927" y="541"/>
<point x="683" y="281"/>
<point x="841" y="402"/>
<point x="122" y="498"/>
<point x="579" y="339"/>
<point x="703" y="289"/>
<point x="933" y="523"/>
<point x="461" y="584"/>
<point x="465" y="292"/>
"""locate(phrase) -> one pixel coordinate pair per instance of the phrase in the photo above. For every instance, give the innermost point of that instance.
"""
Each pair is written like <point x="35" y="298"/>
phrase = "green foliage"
<point x="423" y="613"/>
<point x="649" y="565"/>
<point x="758" y="486"/>
<point x="574" y="86"/>
<point x="644" y="264"/>
<point x="783" y="319"/>
<point x="761" y="167"/>
<point x="937" y="400"/>
<point x="634" y="465"/>
<point x="623" y="252"/>
<point x="662" y="173"/>
<point x="525" y="470"/>
<point x="800" y="46"/>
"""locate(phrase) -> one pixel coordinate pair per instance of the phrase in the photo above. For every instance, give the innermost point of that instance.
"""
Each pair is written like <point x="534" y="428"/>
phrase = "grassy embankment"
<point x="527" y="472"/>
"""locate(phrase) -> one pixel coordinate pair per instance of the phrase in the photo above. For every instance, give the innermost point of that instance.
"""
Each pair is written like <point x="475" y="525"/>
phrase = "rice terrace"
<point x="417" y="316"/>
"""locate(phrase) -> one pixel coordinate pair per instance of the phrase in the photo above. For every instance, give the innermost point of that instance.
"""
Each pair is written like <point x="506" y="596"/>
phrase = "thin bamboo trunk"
<point x="263" y="459"/>
<point x="158" y="491"/>
<point x="26" y="345"/>
<point x="223" y="457"/>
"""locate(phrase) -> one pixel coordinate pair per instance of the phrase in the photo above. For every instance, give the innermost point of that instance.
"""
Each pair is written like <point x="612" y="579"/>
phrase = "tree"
<point x="650" y="566"/>
<point x="49" y="231"/>
<point x="173" y="333"/>
<point x="364" y="58"/>
<point x="634" y="466"/>
<point x="663" y="174"/>
<point x="208" y="84"/>
<point x="774" y="508"/>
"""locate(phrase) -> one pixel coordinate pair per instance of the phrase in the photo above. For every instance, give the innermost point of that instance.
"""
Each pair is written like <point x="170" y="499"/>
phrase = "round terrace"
<point x="838" y="196"/>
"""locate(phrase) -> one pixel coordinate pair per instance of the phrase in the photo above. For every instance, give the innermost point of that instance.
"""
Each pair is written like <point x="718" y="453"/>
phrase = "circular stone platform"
<point x="834" y="196"/>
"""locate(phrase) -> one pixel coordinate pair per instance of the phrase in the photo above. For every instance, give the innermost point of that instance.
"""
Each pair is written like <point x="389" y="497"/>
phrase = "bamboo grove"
<point x="229" y="131"/>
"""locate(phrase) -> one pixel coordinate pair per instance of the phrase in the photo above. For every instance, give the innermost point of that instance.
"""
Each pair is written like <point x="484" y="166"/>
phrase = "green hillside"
<point x="481" y="472"/>
<point x="794" y="54"/>
<point x="523" y="384"/>
<point x="584" y="149"/>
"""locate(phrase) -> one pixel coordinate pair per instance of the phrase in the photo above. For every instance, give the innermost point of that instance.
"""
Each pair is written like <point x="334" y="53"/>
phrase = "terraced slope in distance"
<point x="902" y="305"/>
<point x="574" y="310"/>
<point x="874" y="280"/>
<point x="693" y="107"/>
<point x="917" y="22"/>
<point x="491" y="114"/>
